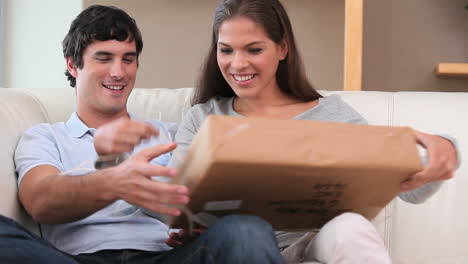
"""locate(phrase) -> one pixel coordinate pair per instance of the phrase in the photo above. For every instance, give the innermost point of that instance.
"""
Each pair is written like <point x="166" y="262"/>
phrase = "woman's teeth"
<point x="243" y="78"/>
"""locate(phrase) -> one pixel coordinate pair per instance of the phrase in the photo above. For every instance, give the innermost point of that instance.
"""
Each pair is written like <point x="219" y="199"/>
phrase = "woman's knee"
<point x="350" y="237"/>
<point x="349" y="227"/>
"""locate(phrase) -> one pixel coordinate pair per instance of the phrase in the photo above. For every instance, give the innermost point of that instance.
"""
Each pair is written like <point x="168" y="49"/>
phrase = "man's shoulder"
<point x="45" y="128"/>
<point x="43" y="133"/>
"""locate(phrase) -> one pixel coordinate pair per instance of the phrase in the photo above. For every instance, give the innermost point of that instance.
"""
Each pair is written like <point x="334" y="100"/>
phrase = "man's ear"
<point x="284" y="49"/>
<point x="71" y="67"/>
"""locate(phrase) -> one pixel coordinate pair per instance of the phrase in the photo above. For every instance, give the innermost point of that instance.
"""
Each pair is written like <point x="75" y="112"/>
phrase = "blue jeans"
<point x="233" y="239"/>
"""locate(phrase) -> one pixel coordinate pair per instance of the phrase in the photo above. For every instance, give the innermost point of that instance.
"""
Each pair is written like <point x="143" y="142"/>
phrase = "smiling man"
<point x="96" y="216"/>
<point x="103" y="86"/>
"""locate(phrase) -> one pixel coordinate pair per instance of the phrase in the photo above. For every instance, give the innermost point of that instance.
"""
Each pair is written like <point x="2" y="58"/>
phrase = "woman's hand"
<point x="442" y="161"/>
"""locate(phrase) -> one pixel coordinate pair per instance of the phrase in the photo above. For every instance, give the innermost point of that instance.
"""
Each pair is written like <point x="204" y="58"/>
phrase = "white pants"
<point x="347" y="238"/>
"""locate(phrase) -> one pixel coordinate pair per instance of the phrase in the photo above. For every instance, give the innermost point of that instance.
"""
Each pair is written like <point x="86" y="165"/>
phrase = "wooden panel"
<point x="452" y="70"/>
<point x="353" y="45"/>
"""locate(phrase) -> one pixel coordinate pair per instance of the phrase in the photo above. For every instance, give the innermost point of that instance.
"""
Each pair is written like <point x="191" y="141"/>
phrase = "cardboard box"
<point x="295" y="174"/>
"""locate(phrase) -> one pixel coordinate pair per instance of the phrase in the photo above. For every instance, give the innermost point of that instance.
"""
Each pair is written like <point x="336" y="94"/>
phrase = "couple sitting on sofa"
<point x="253" y="69"/>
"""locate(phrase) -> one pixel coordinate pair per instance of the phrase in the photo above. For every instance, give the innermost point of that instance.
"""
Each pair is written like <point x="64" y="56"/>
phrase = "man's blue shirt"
<point x="68" y="146"/>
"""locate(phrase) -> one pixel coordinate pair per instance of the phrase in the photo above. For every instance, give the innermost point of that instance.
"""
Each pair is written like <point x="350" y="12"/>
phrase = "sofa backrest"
<point x="437" y="230"/>
<point x="433" y="232"/>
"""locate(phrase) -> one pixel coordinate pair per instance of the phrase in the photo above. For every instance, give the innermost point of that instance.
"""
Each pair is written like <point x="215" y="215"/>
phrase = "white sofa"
<point x="433" y="232"/>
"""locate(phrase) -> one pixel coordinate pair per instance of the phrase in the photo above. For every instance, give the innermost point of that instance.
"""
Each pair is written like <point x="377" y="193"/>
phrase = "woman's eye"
<point x="225" y="50"/>
<point x="255" y="50"/>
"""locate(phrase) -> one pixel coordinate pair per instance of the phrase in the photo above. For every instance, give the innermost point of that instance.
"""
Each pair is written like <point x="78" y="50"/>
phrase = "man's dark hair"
<point x="101" y="23"/>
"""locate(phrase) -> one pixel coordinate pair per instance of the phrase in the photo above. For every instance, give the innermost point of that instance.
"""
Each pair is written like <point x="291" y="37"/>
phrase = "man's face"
<point x="106" y="78"/>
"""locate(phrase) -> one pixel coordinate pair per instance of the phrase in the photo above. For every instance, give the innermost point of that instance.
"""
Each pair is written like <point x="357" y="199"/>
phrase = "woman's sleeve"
<point x="421" y="194"/>
<point x="186" y="131"/>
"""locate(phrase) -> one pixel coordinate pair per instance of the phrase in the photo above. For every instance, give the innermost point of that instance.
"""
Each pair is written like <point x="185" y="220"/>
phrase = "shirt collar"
<point x="77" y="128"/>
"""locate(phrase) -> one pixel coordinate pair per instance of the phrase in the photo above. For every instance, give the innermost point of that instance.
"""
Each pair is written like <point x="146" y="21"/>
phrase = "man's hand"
<point x="131" y="181"/>
<point x="121" y="135"/>
<point x="442" y="161"/>
<point x="177" y="239"/>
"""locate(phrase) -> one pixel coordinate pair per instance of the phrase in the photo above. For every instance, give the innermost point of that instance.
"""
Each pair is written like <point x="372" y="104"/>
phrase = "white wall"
<point x="176" y="37"/>
<point x="2" y="42"/>
<point x="34" y="31"/>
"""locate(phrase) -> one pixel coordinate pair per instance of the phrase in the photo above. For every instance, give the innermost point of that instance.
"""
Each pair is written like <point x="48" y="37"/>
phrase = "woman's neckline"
<point x="298" y="116"/>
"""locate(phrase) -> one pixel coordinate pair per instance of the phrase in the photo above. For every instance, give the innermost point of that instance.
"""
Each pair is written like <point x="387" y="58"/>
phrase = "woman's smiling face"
<point x="247" y="57"/>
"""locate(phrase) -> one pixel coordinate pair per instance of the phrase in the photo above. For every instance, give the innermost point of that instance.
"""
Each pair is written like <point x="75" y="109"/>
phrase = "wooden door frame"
<point x="353" y="45"/>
